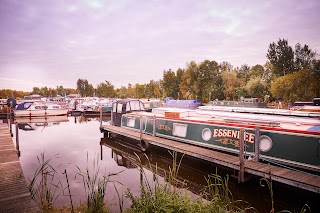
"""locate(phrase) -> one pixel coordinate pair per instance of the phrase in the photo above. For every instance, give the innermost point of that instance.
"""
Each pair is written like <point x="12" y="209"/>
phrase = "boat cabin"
<point x="124" y="106"/>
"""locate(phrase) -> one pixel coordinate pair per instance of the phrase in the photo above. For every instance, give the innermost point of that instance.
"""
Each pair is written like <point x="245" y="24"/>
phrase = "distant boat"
<point x="185" y="104"/>
<point x="149" y="104"/>
<point x="33" y="109"/>
<point x="245" y="102"/>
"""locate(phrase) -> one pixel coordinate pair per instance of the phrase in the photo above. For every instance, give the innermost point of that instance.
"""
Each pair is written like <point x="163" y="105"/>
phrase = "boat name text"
<point x="164" y="127"/>
<point x="218" y="133"/>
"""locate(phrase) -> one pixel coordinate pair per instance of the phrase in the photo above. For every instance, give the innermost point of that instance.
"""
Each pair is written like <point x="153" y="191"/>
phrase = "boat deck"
<point x="14" y="194"/>
<point x="294" y="178"/>
<point x="280" y="122"/>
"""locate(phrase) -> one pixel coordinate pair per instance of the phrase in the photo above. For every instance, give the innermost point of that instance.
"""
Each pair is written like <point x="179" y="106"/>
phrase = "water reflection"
<point x="78" y="141"/>
<point x="34" y="123"/>
<point x="127" y="154"/>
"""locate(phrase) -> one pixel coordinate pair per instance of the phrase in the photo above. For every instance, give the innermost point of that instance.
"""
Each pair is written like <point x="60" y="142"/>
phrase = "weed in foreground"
<point x="167" y="197"/>
<point x="44" y="187"/>
<point x="95" y="187"/>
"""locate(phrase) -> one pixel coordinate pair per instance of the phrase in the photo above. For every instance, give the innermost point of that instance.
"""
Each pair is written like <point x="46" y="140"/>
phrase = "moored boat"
<point x="288" y="140"/>
<point x="244" y="102"/>
<point x="33" y="109"/>
<point x="185" y="104"/>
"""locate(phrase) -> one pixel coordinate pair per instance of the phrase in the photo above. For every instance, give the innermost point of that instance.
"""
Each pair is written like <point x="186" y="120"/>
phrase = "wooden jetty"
<point x="298" y="179"/>
<point x="14" y="194"/>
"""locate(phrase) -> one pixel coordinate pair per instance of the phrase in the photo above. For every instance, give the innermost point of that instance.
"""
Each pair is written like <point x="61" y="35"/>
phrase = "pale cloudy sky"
<point x="55" y="42"/>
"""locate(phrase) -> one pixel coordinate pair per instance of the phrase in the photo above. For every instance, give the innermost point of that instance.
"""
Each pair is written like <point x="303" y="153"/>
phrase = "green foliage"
<point x="168" y="197"/>
<point x="230" y="83"/>
<point x="84" y="88"/>
<point x="303" y="57"/>
<point x="105" y="89"/>
<point x="7" y="93"/>
<point x="302" y="86"/>
<point x="170" y="84"/>
<point x="281" y="57"/>
<point x="256" y="88"/>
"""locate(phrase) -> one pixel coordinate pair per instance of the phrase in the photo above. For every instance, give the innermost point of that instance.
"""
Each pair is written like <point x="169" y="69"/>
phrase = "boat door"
<point x="117" y="111"/>
<point x="124" y="106"/>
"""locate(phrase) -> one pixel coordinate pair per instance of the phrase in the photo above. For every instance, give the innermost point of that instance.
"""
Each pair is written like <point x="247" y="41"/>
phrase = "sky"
<point x="56" y="42"/>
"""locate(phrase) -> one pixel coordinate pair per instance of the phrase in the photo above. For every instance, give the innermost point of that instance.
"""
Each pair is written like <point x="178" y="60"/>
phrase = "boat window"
<point x="27" y="105"/>
<point x="179" y="130"/>
<point x="131" y="121"/>
<point x="128" y="107"/>
<point x="119" y="108"/>
<point x="147" y="105"/>
<point x="114" y="109"/>
<point x="134" y="105"/>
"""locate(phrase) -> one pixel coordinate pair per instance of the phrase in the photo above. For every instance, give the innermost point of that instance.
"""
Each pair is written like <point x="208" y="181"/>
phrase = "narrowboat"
<point x="244" y="102"/>
<point x="149" y="104"/>
<point x="286" y="140"/>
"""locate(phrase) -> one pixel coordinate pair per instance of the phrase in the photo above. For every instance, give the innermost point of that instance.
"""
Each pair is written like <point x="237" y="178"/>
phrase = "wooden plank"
<point x="14" y="194"/>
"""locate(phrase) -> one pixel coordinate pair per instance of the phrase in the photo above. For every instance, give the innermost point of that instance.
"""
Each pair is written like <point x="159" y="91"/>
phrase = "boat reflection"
<point x="191" y="174"/>
<point x="33" y="123"/>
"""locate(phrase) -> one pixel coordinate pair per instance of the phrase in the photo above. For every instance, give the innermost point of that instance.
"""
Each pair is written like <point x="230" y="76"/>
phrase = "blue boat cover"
<point x="314" y="129"/>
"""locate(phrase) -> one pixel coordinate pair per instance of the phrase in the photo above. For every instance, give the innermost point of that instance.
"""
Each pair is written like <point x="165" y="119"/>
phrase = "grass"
<point x="155" y="196"/>
<point x="168" y="197"/>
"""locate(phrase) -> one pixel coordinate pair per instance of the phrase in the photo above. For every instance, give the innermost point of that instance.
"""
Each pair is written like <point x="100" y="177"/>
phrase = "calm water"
<point x="69" y="140"/>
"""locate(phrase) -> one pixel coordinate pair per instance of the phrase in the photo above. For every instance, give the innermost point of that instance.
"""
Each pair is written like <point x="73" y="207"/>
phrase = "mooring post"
<point x="241" y="157"/>
<point x="256" y="144"/>
<point x="101" y="151"/>
<point x="17" y="139"/>
<point x="111" y="121"/>
<point x="154" y="126"/>
<point x="100" y="109"/>
<point x="9" y="122"/>
<point x="140" y="127"/>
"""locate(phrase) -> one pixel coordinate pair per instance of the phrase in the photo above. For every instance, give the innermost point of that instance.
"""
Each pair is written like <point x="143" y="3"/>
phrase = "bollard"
<point x="100" y="109"/>
<point x="17" y="140"/>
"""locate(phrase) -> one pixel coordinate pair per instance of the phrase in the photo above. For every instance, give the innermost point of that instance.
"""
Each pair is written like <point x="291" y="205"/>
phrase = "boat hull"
<point x="295" y="148"/>
<point x="40" y="112"/>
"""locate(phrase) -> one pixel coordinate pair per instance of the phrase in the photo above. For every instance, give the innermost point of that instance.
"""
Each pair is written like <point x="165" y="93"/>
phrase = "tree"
<point x="169" y="84"/>
<point x="256" y="88"/>
<point x="244" y="72"/>
<point x="257" y="71"/>
<point x="105" y="89"/>
<point x="301" y="85"/>
<point x="36" y="90"/>
<point x="303" y="57"/>
<point x="84" y="88"/>
<point x="231" y="83"/>
<point x="281" y="57"/>
<point x="189" y="86"/>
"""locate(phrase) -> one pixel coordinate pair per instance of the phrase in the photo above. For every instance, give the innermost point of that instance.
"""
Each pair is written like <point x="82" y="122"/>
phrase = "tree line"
<point x="290" y="74"/>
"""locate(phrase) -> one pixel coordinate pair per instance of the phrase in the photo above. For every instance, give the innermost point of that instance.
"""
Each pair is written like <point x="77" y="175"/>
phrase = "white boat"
<point x="33" y="109"/>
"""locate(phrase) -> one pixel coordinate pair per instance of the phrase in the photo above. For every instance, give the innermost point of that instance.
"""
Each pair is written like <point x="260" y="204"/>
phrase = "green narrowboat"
<point x="288" y="140"/>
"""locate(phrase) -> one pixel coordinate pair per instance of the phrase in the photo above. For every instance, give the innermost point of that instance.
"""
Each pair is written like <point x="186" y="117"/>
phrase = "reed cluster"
<point x="169" y="197"/>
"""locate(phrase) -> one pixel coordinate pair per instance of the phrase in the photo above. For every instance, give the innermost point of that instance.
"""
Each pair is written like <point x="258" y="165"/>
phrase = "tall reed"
<point x="95" y="186"/>
<point x="44" y="187"/>
<point x="168" y="197"/>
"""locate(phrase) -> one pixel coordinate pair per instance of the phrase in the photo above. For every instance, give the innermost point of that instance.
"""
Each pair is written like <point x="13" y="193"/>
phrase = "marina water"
<point x="74" y="143"/>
